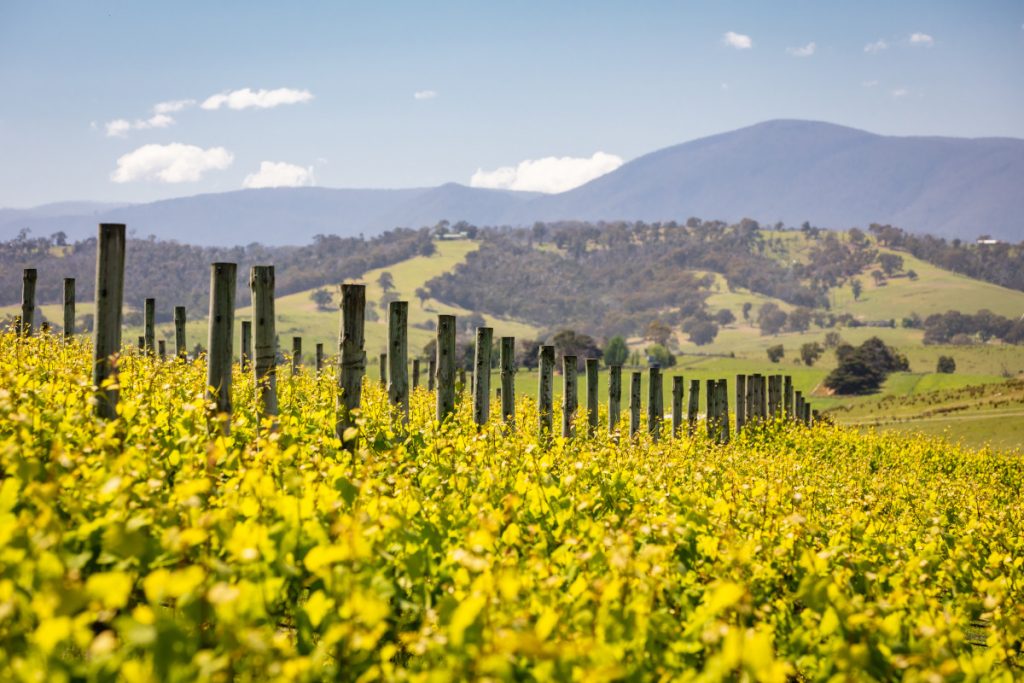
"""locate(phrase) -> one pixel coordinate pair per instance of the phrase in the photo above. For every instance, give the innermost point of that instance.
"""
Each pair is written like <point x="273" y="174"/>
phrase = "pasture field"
<point x="155" y="547"/>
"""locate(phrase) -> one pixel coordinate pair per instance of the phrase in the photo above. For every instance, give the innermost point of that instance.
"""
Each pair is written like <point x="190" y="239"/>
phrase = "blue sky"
<point x="526" y="93"/>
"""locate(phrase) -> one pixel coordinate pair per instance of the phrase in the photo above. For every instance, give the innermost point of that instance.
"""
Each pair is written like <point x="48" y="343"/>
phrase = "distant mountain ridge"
<point x="783" y="170"/>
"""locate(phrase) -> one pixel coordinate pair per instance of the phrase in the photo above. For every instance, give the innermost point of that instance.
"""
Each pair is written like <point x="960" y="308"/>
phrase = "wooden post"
<point x="264" y="323"/>
<point x="431" y="373"/>
<point x="415" y="373"/>
<point x="569" y="396"/>
<point x="723" y="411"/>
<point x="149" y="327"/>
<point x="44" y="327"/>
<point x="482" y="376"/>
<point x="807" y="414"/>
<point x="653" y="418"/>
<point x="220" y="345"/>
<point x="711" y="407"/>
<point x="161" y="346"/>
<point x="445" y="364"/>
<point x="636" y="380"/>
<point x="383" y="365"/>
<point x="462" y="380"/>
<point x="351" y="357"/>
<point x="614" y="398"/>
<point x="749" y="413"/>
<point x="592" y="396"/>
<point x="787" y="396"/>
<point x="741" y="408"/>
<point x="107" y="319"/>
<point x="180" y="347"/>
<point x="694" y="406"/>
<point x="398" y="356"/>
<point x="28" y="300"/>
<point x="508" y="377"/>
<point x="798" y="406"/>
<point x="296" y="355"/>
<point x="774" y="396"/>
<point x="319" y="357"/>
<point x="677" y="405"/>
<point x="142" y="344"/>
<point x="762" y="394"/>
<point x="545" y="391"/>
<point x="69" y="307"/>
<point x="245" y="352"/>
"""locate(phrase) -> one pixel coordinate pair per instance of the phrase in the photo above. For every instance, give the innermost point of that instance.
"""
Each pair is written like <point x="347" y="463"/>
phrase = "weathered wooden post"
<point x="711" y="407"/>
<point x="677" y="405"/>
<point x="383" y="365"/>
<point x="149" y="327"/>
<point x="28" y="301"/>
<point x="653" y="417"/>
<point x="415" y="373"/>
<point x="180" y="347"/>
<point x="774" y="395"/>
<point x="107" y="319"/>
<point x="614" y="398"/>
<point x="142" y="344"/>
<point x="569" y="396"/>
<point x="749" y="413"/>
<point x="762" y="393"/>
<point x="398" y="357"/>
<point x="798" y="406"/>
<point x="723" y="411"/>
<point x="741" y="408"/>
<point x="545" y="391"/>
<point x="431" y="373"/>
<point x="636" y="379"/>
<point x="220" y="344"/>
<point x="693" y="408"/>
<point x="482" y="376"/>
<point x="261" y="284"/>
<point x="807" y="414"/>
<point x="787" y="396"/>
<point x="319" y="357"/>
<point x="592" y="394"/>
<point x="161" y="347"/>
<point x="445" y="364"/>
<point x="245" y="352"/>
<point x="69" y="307"/>
<point x="508" y="377"/>
<point x="296" y="355"/>
<point x="351" y="358"/>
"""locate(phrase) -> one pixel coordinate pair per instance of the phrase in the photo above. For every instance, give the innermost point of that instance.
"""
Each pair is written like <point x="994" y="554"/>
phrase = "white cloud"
<point x="877" y="46"/>
<point x="921" y="39"/>
<point x="120" y="127"/>
<point x="279" y="174"/>
<point x="805" y="51"/>
<point x="550" y="174"/>
<point x="261" y="99"/>
<point x="424" y="94"/>
<point x="172" y="106"/>
<point x="737" y="40"/>
<point x="899" y="92"/>
<point x="173" y="163"/>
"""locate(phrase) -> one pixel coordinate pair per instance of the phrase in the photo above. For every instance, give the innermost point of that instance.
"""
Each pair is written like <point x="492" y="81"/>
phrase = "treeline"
<point x="954" y="327"/>
<point x="998" y="263"/>
<point x="179" y="274"/>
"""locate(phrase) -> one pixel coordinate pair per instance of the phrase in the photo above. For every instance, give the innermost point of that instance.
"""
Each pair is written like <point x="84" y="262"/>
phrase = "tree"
<point x="422" y="294"/>
<point x="386" y="281"/>
<point x="656" y="353"/>
<point x="527" y="353"/>
<point x="322" y="298"/>
<point x="862" y="369"/>
<point x="775" y="353"/>
<point x="572" y="343"/>
<point x="616" y="352"/>
<point x="799" y="320"/>
<point x="832" y="340"/>
<point x="946" y="365"/>
<point x="725" y="317"/>
<point x="891" y="264"/>
<point x="879" y="278"/>
<point x="701" y="332"/>
<point x="771" y="319"/>
<point x="746" y="309"/>
<point x="658" y="332"/>
<point x="810" y="352"/>
<point x="857" y="286"/>
<point x="912" y="274"/>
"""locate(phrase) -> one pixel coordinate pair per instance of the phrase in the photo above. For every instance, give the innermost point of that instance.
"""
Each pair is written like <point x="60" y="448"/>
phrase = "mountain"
<point x="785" y="170"/>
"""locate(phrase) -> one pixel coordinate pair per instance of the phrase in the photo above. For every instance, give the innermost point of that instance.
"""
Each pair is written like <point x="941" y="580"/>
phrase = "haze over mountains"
<point x="784" y="170"/>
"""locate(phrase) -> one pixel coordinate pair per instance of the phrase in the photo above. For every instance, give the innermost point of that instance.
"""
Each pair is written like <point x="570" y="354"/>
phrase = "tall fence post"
<point x="149" y="327"/>
<point x="415" y="373"/>
<point x="351" y="357"/>
<point x="593" y="411"/>
<point x="161" y="347"/>
<point x="107" y="319"/>
<point x="245" y="350"/>
<point x="723" y="411"/>
<point x="787" y="396"/>
<point x="383" y="369"/>
<point x="634" y="402"/>
<point x="614" y="398"/>
<point x="445" y="363"/>
<point x="569" y="397"/>
<point x="677" y="405"/>
<point x="28" y="301"/>
<point x="653" y="418"/>
<point x="431" y="374"/>
<point x="741" y="408"/>
<point x="180" y="346"/>
<point x="319" y="357"/>
<point x="711" y="407"/>
<point x="508" y="383"/>
<point x="261" y="284"/>
<point x="398" y="356"/>
<point x="545" y="391"/>
<point x="693" y="408"/>
<point x="762" y="395"/>
<point x="296" y="355"/>
<point x="798" y="405"/>
<point x="69" y="307"/>
<point x="482" y="376"/>
<point x="220" y="344"/>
